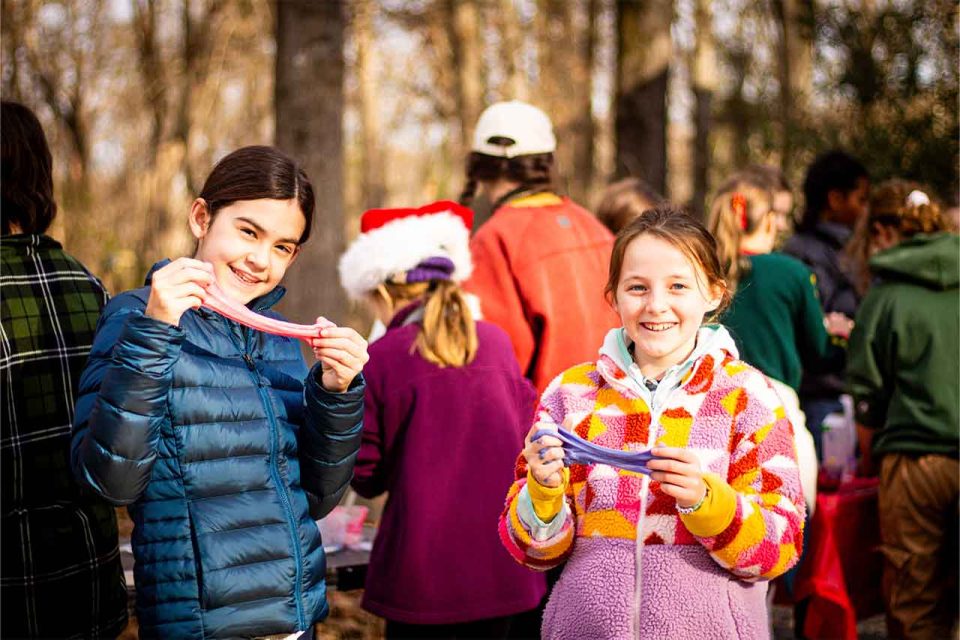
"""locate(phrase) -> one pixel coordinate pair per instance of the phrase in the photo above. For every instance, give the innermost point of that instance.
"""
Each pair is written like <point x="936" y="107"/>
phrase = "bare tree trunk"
<point x="564" y="60"/>
<point x="644" y="47"/>
<point x="704" y="81"/>
<point x="467" y="55"/>
<point x="309" y="113"/>
<point x="795" y="52"/>
<point x="372" y="185"/>
<point x="515" y="82"/>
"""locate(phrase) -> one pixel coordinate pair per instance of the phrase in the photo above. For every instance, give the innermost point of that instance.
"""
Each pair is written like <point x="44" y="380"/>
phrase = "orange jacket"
<point x="540" y="267"/>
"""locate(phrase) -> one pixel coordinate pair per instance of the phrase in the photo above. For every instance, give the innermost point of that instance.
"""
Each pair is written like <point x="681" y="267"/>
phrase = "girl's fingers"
<point x="343" y="344"/>
<point x="673" y="466"/>
<point x="340" y="356"/>
<point x="675" y="479"/>
<point x="548" y="454"/>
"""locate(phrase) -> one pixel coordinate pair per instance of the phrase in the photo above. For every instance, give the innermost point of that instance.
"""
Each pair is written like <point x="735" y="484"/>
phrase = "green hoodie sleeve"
<point x="868" y="366"/>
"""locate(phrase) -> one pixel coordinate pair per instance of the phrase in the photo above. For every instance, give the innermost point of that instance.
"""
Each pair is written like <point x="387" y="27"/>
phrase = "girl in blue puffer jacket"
<point x="220" y="441"/>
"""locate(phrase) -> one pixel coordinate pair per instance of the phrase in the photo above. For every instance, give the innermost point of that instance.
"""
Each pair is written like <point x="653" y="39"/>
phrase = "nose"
<point x="259" y="258"/>
<point x="657" y="300"/>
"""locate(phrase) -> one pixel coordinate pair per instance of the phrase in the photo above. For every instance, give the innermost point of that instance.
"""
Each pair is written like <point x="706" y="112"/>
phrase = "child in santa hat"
<point x="446" y="409"/>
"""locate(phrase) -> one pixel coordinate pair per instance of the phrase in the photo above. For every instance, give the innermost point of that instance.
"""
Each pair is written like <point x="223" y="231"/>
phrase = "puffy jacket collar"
<point x="262" y="303"/>
<point x="618" y="368"/>
<point x="931" y="260"/>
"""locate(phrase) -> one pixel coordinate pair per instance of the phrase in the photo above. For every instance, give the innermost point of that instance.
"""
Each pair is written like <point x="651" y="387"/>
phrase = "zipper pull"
<point x="250" y="364"/>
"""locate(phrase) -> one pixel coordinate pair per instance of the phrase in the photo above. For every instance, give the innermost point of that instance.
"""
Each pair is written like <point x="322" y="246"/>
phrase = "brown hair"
<point x="738" y="208"/>
<point x="624" y="200"/>
<point x="255" y="172"/>
<point x="26" y="166"/>
<point x="889" y="207"/>
<point x="448" y="333"/>
<point x="533" y="171"/>
<point x="686" y="233"/>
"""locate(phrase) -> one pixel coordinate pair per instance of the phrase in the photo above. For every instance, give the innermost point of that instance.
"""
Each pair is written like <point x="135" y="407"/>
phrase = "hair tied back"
<point x="917" y="198"/>
<point x="738" y="202"/>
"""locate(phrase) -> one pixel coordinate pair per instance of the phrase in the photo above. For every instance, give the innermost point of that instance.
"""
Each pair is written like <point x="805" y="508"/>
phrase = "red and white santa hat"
<point x="408" y="245"/>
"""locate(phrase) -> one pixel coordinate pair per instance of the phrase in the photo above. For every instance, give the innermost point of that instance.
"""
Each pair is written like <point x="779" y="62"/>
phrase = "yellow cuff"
<point x="717" y="511"/>
<point x="547" y="501"/>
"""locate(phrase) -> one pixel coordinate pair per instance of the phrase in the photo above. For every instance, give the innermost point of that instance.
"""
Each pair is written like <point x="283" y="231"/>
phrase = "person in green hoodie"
<point x="903" y="374"/>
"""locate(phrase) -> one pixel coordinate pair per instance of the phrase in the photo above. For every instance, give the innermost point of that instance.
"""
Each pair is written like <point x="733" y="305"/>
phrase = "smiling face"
<point x="250" y="243"/>
<point x="662" y="298"/>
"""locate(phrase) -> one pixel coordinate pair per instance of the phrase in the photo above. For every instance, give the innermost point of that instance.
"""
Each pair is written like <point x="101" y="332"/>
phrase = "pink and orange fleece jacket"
<point x="749" y="528"/>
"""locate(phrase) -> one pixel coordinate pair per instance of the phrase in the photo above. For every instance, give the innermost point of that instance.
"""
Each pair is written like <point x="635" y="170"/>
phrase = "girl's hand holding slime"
<point x="678" y="472"/>
<point x="544" y="456"/>
<point x="342" y="352"/>
<point x="176" y="287"/>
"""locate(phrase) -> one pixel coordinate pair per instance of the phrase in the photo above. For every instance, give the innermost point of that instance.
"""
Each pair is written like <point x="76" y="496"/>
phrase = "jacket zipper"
<point x="281" y="487"/>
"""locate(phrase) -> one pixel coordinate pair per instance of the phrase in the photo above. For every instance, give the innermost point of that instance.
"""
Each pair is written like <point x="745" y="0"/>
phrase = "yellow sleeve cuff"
<point x="717" y="511"/>
<point x="547" y="501"/>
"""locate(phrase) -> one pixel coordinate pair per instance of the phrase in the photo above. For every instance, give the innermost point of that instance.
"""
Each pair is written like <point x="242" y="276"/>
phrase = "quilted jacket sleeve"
<point x="754" y="524"/>
<point x="329" y="441"/>
<point x="123" y="401"/>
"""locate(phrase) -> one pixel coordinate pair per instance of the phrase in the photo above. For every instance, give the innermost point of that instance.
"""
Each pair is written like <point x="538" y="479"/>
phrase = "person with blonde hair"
<point x="446" y="408"/>
<point x="902" y="374"/>
<point x="775" y="315"/>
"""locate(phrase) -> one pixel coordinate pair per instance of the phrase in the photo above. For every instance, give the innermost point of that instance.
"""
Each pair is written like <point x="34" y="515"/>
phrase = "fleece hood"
<point x="618" y="368"/>
<point x="930" y="260"/>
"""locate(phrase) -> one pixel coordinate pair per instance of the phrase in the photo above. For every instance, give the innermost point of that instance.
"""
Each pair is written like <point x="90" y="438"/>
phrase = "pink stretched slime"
<point x="218" y="301"/>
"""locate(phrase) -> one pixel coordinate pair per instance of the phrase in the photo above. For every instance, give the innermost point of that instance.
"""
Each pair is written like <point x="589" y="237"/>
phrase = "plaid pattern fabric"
<point x="61" y="566"/>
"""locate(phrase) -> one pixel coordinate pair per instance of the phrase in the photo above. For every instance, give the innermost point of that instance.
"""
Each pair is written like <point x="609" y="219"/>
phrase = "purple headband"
<point x="436" y="268"/>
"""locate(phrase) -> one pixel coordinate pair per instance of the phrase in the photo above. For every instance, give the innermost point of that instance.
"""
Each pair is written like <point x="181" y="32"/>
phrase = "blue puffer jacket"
<point x="225" y="450"/>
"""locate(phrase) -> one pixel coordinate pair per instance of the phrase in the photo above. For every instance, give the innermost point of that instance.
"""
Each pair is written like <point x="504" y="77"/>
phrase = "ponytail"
<point x="736" y="212"/>
<point x="468" y="193"/>
<point x="448" y="333"/>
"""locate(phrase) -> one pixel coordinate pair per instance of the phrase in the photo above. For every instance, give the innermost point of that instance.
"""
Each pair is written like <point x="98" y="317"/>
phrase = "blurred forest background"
<point x="377" y="98"/>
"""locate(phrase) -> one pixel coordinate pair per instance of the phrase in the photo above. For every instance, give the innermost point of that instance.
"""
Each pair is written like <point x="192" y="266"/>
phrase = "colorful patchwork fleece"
<point x="634" y="567"/>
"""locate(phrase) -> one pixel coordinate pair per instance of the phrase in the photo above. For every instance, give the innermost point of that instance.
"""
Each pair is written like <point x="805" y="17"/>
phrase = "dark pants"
<point x="919" y="525"/>
<point x="498" y="628"/>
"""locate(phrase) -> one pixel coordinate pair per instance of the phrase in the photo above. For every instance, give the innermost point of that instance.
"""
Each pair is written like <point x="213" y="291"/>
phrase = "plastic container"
<point x="839" y="446"/>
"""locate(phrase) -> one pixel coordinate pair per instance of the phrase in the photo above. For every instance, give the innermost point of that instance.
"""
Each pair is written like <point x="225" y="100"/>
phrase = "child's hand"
<point x="838" y="324"/>
<point x="678" y="472"/>
<point x="342" y="352"/>
<point x="178" y="286"/>
<point x="544" y="457"/>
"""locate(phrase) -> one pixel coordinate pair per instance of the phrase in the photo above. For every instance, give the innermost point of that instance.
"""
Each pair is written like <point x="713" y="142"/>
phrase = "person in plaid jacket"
<point x="61" y="566"/>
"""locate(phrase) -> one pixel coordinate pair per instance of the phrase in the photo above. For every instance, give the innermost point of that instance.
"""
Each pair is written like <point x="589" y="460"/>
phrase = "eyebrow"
<point x="260" y="229"/>
<point x="675" y="276"/>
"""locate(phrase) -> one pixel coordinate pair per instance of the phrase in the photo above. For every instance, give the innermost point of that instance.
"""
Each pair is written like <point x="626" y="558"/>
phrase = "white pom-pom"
<point x="917" y="198"/>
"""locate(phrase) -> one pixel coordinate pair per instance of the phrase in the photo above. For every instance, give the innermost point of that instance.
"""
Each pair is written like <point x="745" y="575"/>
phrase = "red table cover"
<point x="842" y="567"/>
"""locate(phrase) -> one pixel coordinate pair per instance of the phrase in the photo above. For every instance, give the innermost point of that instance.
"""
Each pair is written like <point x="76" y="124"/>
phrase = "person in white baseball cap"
<point x="540" y="260"/>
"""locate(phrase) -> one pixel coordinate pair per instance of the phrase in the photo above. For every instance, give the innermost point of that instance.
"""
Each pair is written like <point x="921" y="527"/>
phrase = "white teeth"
<point x="243" y="277"/>
<point x="657" y="326"/>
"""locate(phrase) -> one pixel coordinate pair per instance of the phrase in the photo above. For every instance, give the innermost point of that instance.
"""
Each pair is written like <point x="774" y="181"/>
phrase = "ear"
<point x="612" y="301"/>
<point x="199" y="218"/>
<point x="716" y="297"/>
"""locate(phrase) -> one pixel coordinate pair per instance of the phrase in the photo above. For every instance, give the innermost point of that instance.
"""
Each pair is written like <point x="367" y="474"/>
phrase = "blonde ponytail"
<point x="448" y="332"/>
<point x="736" y="212"/>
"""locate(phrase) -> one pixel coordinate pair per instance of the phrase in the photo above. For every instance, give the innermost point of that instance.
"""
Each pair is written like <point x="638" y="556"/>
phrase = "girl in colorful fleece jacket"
<point x="685" y="551"/>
